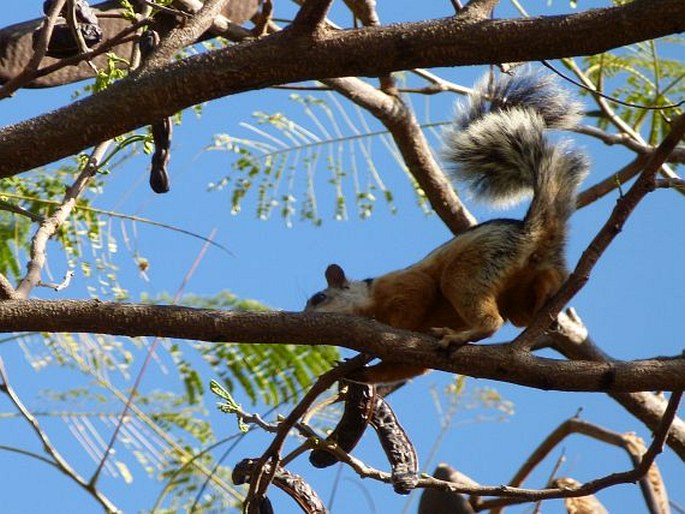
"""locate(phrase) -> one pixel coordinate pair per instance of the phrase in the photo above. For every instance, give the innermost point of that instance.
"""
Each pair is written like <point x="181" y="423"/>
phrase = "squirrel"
<point x="502" y="269"/>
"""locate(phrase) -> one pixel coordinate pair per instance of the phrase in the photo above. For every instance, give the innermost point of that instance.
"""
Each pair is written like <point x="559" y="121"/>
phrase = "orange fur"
<point x="463" y="291"/>
<point x="498" y="271"/>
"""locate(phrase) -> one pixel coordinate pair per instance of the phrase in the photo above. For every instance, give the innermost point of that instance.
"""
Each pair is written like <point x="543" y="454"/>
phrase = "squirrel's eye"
<point x="317" y="299"/>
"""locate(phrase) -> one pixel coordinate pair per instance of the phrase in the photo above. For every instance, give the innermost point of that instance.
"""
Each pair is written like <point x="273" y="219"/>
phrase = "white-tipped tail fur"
<point x="497" y="144"/>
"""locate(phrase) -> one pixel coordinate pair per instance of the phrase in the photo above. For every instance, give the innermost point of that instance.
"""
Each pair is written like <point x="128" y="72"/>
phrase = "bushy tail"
<point x="497" y="145"/>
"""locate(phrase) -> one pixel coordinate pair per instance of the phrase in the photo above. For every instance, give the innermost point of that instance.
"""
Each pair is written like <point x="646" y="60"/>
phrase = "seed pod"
<point x="84" y="13"/>
<point x="397" y="446"/>
<point x="290" y="483"/>
<point x="265" y="506"/>
<point x="359" y="402"/>
<point x="62" y="42"/>
<point x="161" y="135"/>
<point x="582" y="504"/>
<point x="435" y="500"/>
<point x="161" y="130"/>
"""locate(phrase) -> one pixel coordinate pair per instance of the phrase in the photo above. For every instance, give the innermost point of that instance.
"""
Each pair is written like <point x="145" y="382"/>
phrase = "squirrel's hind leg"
<point x="471" y="282"/>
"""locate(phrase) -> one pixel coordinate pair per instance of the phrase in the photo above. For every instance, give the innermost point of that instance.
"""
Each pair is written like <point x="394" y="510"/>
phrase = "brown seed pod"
<point x="359" y="403"/>
<point x="397" y="447"/>
<point x="161" y="130"/>
<point x="290" y="483"/>
<point x="435" y="500"/>
<point x="62" y="41"/>
<point x="582" y="504"/>
<point x="161" y="135"/>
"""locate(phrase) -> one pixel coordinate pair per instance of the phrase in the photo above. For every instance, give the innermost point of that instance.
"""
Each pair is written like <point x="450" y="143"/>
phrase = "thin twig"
<point x="596" y="92"/>
<point x="10" y="207"/>
<point x="50" y="225"/>
<point x="148" y="357"/>
<point x="59" y="461"/>
<point x="269" y="461"/>
<point x="624" y="207"/>
<point x="62" y="285"/>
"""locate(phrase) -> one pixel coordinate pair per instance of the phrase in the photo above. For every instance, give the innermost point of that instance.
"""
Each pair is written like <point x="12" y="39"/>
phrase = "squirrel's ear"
<point x="335" y="276"/>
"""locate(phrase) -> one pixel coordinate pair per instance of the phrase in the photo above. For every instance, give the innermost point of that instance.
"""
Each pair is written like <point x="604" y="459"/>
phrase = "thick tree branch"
<point x="291" y="57"/>
<point x="496" y="361"/>
<point x="572" y="341"/>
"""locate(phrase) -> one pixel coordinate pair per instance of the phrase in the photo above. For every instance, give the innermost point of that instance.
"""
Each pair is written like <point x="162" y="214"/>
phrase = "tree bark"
<point x="294" y="56"/>
<point x="494" y="361"/>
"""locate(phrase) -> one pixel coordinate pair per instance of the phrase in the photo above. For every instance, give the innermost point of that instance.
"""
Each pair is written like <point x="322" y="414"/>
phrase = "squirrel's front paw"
<point x="449" y="338"/>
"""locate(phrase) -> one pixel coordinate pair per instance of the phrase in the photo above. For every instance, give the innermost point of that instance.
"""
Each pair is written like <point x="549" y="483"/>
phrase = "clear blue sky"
<point x="632" y="304"/>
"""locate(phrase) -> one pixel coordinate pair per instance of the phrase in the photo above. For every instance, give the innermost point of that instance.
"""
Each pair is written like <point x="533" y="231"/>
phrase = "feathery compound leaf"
<point x="273" y="373"/>
<point x="288" y="162"/>
<point x="649" y="79"/>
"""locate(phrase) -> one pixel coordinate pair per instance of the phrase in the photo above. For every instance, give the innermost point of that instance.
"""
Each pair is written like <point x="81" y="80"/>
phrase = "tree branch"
<point x="415" y="150"/>
<point x="507" y="493"/>
<point x="311" y="15"/>
<point x="645" y="183"/>
<point x="58" y="460"/>
<point x="572" y="341"/>
<point x="629" y="442"/>
<point x="50" y="225"/>
<point x="184" y="35"/>
<point x="41" y="48"/>
<point x="291" y="57"/>
<point x="611" y="183"/>
<point x="495" y="361"/>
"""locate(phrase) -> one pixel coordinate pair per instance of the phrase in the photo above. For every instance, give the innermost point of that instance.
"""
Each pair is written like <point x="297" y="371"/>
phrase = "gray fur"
<point x="498" y="147"/>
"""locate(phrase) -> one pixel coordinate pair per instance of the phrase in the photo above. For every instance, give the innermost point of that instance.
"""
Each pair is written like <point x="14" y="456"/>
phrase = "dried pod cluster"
<point x="63" y="41"/>
<point x="359" y="406"/>
<point x="363" y="406"/>
<point x="290" y="483"/>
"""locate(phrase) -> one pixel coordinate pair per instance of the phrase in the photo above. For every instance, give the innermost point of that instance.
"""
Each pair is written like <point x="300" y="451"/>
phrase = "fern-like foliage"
<point x="645" y="74"/>
<point x="285" y="156"/>
<point x="270" y="373"/>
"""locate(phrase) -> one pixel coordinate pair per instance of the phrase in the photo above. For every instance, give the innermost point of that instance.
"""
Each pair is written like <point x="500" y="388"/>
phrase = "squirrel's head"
<point x="341" y="295"/>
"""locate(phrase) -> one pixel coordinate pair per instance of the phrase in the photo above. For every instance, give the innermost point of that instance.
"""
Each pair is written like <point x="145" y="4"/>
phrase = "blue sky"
<point x="632" y="304"/>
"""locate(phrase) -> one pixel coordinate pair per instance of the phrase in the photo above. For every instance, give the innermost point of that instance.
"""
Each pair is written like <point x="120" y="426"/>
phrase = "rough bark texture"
<point x="497" y="361"/>
<point x="16" y="46"/>
<point x="293" y="56"/>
